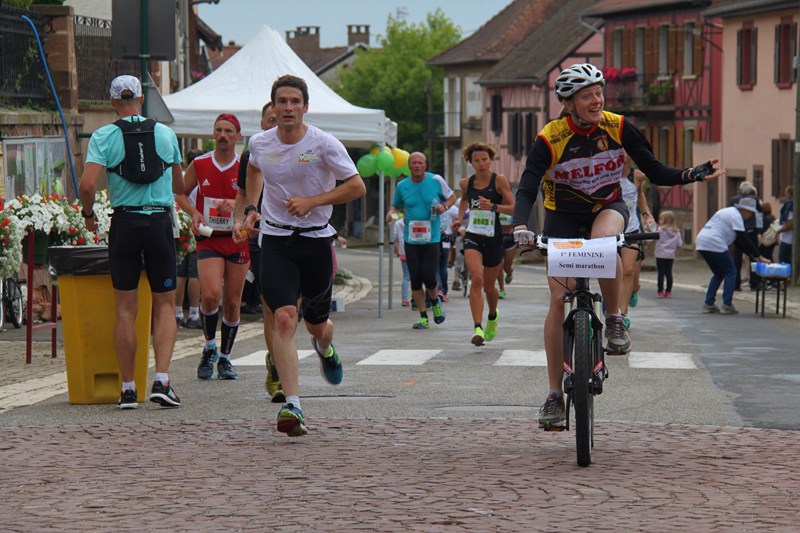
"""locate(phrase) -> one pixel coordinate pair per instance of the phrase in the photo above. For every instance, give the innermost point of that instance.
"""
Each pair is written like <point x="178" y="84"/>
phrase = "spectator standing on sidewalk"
<point x="787" y="225"/>
<point x="141" y="194"/>
<point x="726" y="226"/>
<point x="422" y="198"/>
<point x="400" y="252"/>
<point x="667" y="245"/>
<point x="221" y="263"/>
<point x="297" y="166"/>
<point x="188" y="287"/>
<point x="752" y="227"/>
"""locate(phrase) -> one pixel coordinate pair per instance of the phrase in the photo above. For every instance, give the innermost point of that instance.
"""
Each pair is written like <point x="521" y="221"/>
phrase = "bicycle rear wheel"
<point x="15" y="305"/>
<point x="583" y="399"/>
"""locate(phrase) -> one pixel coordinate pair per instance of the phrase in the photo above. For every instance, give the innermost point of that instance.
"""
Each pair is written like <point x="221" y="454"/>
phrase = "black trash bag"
<point x="78" y="260"/>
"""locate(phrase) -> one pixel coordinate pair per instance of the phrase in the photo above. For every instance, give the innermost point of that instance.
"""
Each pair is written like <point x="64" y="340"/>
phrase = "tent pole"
<point x="381" y="229"/>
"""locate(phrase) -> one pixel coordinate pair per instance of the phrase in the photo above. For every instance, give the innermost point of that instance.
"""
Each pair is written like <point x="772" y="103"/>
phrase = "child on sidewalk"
<point x="666" y="247"/>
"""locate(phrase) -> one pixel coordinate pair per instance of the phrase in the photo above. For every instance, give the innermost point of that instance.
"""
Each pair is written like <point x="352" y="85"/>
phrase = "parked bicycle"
<point x="585" y="369"/>
<point x="12" y="306"/>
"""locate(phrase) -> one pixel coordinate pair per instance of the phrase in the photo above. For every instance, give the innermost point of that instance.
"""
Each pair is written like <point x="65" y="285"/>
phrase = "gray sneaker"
<point x="708" y="309"/>
<point x="619" y="340"/>
<point x="728" y="310"/>
<point x="551" y="414"/>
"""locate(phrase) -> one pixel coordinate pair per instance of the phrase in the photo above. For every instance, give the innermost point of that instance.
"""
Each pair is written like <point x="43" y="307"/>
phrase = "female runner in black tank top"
<point x="485" y="195"/>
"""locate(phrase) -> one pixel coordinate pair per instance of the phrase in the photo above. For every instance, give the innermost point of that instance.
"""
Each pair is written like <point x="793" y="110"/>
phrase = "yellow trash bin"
<point x="88" y="314"/>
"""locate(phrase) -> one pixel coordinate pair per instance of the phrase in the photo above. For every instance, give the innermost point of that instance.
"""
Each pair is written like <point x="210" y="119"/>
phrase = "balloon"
<point x="400" y="157"/>
<point x="405" y="171"/>
<point x="394" y="172"/>
<point x="384" y="161"/>
<point x="374" y="149"/>
<point x="366" y="165"/>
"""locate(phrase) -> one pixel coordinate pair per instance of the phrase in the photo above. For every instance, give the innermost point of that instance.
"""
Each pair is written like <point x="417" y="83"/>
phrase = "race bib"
<point x="481" y="222"/>
<point x="505" y="220"/>
<point x="214" y="219"/>
<point x="419" y="231"/>
<point x="582" y="258"/>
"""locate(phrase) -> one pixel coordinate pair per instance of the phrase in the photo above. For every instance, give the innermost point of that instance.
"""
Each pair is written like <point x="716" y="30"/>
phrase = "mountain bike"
<point x="585" y="369"/>
<point x="12" y="304"/>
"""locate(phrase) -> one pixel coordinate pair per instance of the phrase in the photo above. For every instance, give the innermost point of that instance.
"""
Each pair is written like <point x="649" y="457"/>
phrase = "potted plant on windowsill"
<point x="658" y="91"/>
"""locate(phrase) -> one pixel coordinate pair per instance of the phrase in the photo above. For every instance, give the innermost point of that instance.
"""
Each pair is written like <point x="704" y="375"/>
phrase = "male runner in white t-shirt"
<point x="297" y="165"/>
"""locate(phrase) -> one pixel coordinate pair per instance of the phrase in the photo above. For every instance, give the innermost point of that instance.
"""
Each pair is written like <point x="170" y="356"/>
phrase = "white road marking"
<point x="399" y="357"/>
<point x="257" y="358"/>
<point x="662" y="360"/>
<point x="522" y="358"/>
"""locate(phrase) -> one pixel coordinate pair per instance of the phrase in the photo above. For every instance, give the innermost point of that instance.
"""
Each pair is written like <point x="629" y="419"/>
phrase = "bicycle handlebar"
<point x="540" y="240"/>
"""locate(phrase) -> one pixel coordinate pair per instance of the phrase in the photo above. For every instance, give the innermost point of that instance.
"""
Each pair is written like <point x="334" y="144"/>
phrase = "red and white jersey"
<point x="214" y="183"/>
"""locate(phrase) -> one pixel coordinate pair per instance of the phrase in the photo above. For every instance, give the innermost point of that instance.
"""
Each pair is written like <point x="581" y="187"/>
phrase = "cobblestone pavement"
<point x="380" y="475"/>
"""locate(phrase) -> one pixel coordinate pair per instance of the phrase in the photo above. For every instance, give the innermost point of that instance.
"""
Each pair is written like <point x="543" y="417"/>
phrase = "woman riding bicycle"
<point x="578" y="159"/>
<point x="486" y="194"/>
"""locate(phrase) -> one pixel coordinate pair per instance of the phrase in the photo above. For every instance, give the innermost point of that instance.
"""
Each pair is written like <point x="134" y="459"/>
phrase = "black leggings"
<point x="664" y="269"/>
<point x="423" y="262"/>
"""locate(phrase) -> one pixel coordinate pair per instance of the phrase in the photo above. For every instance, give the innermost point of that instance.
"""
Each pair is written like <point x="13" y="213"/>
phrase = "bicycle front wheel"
<point x="583" y="399"/>
<point x="15" y="304"/>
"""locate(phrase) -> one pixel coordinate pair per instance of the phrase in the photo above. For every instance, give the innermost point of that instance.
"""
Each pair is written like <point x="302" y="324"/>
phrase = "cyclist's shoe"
<point x="164" y="395"/>
<point x="627" y="322"/>
<point x="509" y="278"/>
<point x="291" y="421"/>
<point x="728" y="310"/>
<point x="491" y="327"/>
<point x="551" y="414"/>
<point x="422" y="323"/>
<point x="478" y="336"/>
<point x="225" y="369"/>
<point x="619" y="341"/>
<point x="438" y="311"/>
<point x="205" y="370"/>
<point x="273" y="382"/>
<point x="708" y="309"/>
<point x="128" y="400"/>
<point x="634" y="299"/>
<point x="330" y="363"/>
<point x="501" y="294"/>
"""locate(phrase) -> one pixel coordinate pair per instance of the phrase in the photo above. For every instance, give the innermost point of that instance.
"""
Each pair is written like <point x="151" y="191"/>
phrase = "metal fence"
<point x="23" y="82"/>
<point x="95" y="66"/>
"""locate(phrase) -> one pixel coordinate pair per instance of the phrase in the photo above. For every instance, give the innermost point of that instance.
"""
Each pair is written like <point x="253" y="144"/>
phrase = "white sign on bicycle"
<point x="582" y="258"/>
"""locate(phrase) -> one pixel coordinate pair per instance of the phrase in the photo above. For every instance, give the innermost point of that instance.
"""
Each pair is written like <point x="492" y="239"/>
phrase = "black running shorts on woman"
<point x="133" y="236"/>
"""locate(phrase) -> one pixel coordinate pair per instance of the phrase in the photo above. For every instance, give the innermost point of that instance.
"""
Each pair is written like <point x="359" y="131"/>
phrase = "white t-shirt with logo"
<point x="720" y="231"/>
<point x="307" y="168"/>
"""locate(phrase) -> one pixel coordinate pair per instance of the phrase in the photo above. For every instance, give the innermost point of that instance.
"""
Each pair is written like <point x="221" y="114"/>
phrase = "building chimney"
<point x="357" y="34"/>
<point x="303" y="39"/>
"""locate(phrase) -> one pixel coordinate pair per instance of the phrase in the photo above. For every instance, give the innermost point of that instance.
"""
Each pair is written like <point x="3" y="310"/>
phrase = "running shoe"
<point x="205" y="370"/>
<point x="667" y="294"/>
<point x="291" y="421"/>
<point x="422" y="323"/>
<point x="619" y="341"/>
<point x="509" y="278"/>
<point x="164" y="395"/>
<point x="405" y="303"/>
<point x="438" y="311"/>
<point x="551" y="414"/>
<point x="634" y="299"/>
<point x="443" y="296"/>
<point x="501" y="294"/>
<point x="456" y="285"/>
<point x="728" y="310"/>
<point x="273" y="382"/>
<point x="193" y="323"/>
<point x="478" y="336"/>
<point x="330" y="363"/>
<point x="225" y="369"/>
<point x="491" y="327"/>
<point x="708" y="309"/>
<point x="660" y="294"/>
<point x="128" y="400"/>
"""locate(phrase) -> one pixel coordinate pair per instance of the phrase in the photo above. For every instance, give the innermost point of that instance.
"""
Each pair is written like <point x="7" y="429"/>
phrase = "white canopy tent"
<point x="242" y="86"/>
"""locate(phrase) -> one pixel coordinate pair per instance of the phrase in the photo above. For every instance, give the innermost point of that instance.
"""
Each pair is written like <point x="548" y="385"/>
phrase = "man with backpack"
<point x="143" y="164"/>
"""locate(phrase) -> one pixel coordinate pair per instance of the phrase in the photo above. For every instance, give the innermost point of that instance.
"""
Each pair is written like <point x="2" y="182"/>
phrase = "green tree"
<point x="395" y="77"/>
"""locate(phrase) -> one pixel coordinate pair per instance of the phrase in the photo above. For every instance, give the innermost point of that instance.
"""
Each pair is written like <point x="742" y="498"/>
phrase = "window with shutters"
<point x="529" y="132"/>
<point x="688" y="49"/>
<point x="663" y="50"/>
<point x="513" y="137"/>
<point x="785" y="46"/>
<point x="782" y="163"/>
<point x="616" y="59"/>
<point x="496" y="113"/>
<point x="746" y="46"/>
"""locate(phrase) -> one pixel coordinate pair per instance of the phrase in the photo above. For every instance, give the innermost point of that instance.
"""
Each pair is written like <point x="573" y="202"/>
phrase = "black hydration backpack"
<point x="142" y="164"/>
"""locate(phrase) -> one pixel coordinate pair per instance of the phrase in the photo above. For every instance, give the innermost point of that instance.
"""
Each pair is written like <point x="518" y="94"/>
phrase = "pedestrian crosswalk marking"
<point x="399" y="357"/>
<point x="522" y="358"/>
<point x="257" y="358"/>
<point x="668" y="360"/>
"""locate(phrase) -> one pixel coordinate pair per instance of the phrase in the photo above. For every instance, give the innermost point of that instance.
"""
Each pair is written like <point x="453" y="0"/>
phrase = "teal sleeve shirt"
<point x="415" y="200"/>
<point x="107" y="149"/>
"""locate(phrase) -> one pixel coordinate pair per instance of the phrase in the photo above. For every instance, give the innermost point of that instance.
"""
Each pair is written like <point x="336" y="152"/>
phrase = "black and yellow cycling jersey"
<point x="580" y="169"/>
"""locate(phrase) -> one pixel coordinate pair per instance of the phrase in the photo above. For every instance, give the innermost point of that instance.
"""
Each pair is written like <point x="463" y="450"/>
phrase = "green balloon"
<point x="394" y="172"/>
<point x="385" y="161"/>
<point x="405" y="171"/>
<point x="366" y="165"/>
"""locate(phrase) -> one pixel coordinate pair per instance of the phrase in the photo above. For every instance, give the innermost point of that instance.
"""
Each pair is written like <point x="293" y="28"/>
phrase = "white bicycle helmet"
<point x="576" y="77"/>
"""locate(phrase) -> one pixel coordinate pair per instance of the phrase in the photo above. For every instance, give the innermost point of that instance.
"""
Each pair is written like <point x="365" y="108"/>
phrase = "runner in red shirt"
<point x="220" y="260"/>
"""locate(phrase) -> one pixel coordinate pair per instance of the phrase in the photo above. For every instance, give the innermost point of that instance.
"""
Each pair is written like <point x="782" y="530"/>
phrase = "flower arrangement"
<point x="76" y="233"/>
<point x="38" y="213"/>
<point x="11" y="234"/>
<point x="185" y="243"/>
<point x="622" y="74"/>
<point x="102" y="208"/>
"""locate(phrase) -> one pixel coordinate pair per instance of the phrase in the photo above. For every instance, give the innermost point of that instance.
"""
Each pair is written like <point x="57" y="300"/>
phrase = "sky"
<point x="239" y="20"/>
